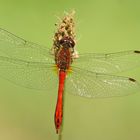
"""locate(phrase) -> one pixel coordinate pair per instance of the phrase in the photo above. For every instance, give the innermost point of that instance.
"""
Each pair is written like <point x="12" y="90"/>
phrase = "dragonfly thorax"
<point x="63" y="58"/>
<point x="64" y="52"/>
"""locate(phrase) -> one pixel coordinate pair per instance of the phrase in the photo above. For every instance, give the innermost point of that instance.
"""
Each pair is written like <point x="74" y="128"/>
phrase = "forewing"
<point x="16" y="47"/>
<point x="94" y="85"/>
<point x="108" y="63"/>
<point x="34" y="75"/>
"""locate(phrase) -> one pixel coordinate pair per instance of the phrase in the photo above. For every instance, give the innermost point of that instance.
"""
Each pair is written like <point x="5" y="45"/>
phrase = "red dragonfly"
<point x="87" y="75"/>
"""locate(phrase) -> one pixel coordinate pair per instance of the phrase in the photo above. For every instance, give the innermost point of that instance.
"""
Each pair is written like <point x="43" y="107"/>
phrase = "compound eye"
<point x="61" y="41"/>
<point x="67" y="41"/>
<point x="72" y="43"/>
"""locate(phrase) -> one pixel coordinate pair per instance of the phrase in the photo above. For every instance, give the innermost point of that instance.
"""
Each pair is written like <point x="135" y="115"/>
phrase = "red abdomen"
<point x="59" y="106"/>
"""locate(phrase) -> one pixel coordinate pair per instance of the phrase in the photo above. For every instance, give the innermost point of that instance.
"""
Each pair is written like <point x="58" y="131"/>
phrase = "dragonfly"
<point x="88" y="75"/>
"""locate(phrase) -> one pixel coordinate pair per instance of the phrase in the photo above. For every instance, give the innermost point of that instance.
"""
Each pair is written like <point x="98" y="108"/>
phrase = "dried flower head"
<point x="64" y="29"/>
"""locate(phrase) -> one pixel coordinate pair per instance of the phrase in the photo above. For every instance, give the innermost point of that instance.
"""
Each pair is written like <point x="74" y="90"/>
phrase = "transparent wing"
<point x="108" y="63"/>
<point x="88" y="84"/>
<point x="16" y="47"/>
<point x="34" y="75"/>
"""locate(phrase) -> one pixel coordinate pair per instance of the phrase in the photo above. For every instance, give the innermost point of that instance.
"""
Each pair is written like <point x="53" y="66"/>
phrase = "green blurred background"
<point x="102" y="26"/>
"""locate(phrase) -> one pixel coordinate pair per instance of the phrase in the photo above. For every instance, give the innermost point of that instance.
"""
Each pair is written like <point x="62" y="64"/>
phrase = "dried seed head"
<point x="65" y="29"/>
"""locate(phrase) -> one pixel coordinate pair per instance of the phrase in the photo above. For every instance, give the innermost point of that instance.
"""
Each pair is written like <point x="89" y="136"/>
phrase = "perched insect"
<point x="88" y="75"/>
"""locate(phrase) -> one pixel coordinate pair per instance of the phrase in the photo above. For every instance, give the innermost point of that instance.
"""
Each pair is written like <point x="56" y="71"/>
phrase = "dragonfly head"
<point x="67" y="42"/>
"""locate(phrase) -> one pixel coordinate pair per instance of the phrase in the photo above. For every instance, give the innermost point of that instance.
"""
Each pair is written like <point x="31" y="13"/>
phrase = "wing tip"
<point x="136" y="51"/>
<point x="132" y="80"/>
